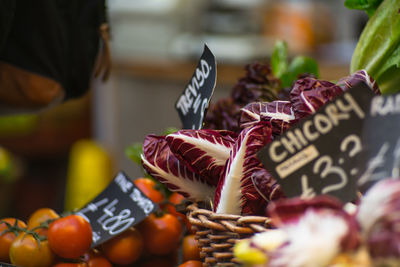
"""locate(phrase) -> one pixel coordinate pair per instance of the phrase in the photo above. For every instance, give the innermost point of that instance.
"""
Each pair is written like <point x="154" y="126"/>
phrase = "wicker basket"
<point x="217" y="233"/>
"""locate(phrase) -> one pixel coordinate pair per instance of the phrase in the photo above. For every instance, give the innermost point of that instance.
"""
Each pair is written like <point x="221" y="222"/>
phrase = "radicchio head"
<point x="162" y="164"/>
<point x="205" y="151"/>
<point x="236" y="193"/>
<point x="309" y="94"/>
<point x="279" y="113"/>
<point x="317" y="231"/>
<point x="379" y="218"/>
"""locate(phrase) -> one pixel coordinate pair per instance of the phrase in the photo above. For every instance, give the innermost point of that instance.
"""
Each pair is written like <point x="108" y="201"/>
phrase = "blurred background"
<point x="62" y="157"/>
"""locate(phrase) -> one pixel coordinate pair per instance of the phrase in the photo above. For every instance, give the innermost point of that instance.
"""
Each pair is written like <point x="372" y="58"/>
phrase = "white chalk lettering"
<point x="145" y="204"/>
<point x="322" y="123"/>
<point x="309" y="135"/>
<point x="273" y="153"/>
<point x="385" y="105"/>
<point x="123" y="183"/>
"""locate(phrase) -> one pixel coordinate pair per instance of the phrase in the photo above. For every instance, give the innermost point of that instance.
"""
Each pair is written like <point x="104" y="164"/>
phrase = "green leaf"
<point x="378" y="49"/>
<point x="170" y="130"/>
<point x="134" y="152"/>
<point x="299" y="65"/>
<point x="279" y="59"/>
<point x="368" y="6"/>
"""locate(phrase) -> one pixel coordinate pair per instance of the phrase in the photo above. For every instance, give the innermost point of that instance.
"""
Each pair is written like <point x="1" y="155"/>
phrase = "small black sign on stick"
<point x="120" y="206"/>
<point x="381" y="136"/>
<point x="319" y="154"/>
<point x="193" y="102"/>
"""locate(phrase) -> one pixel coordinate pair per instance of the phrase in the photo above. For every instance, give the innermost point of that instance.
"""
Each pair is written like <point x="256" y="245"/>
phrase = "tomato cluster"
<point x="48" y="240"/>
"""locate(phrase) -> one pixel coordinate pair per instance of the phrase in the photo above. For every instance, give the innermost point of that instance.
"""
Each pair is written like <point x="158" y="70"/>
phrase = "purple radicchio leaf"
<point x="266" y="185"/>
<point x="379" y="218"/>
<point x="205" y="151"/>
<point x="359" y="76"/>
<point x="162" y="164"/>
<point x="290" y="211"/>
<point x="309" y="94"/>
<point x="279" y="113"/>
<point x="235" y="192"/>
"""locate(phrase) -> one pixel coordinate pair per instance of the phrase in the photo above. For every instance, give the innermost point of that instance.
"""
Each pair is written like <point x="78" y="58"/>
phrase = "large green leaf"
<point x="377" y="50"/>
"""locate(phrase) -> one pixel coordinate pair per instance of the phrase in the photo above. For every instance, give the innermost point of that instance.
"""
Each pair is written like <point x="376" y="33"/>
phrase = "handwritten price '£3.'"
<point x="324" y="167"/>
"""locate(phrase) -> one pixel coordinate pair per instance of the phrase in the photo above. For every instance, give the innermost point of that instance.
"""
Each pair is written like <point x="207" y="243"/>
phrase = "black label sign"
<point x="193" y="102"/>
<point x="120" y="206"/>
<point x="318" y="155"/>
<point x="381" y="136"/>
<point x="2" y="264"/>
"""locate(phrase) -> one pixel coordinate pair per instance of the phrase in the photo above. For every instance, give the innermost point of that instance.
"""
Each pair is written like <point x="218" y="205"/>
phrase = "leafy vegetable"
<point x="286" y="72"/>
<point x="205" y="151"/>
<point x="162" y="164"/>
<point x="368" y="6"/>
<point x="359" y="76"/>
<point x="317" y="224"/>
<point x="258" y="84"/>
<point x="379" y="220"/>
<point x="134" y="152"/>
<point x="309" y="94"/>
<point x="378" y="48"/>
<point x="299" y="65"/>
<point x="279" y="59"/>
<point x="236" y="193"/>
<point x="266" y="185"/>
<point x="279" y="113"/>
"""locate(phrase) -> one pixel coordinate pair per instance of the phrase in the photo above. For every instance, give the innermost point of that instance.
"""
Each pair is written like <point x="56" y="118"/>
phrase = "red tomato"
<point x="27" y="252"/>
<point x="96" y="259"/>
<point x="190" y="249"/>
<point x="176" y="198"/>
<point x="125" y="248"/>
<point x="70" y="237"/>
<point x="161" y="235"/>
<point x="148" y="187"/>
<point x="7" y="238"/>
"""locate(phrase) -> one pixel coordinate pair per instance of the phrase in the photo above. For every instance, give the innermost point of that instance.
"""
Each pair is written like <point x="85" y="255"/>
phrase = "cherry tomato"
<point x="176" y="198"/>
<point x="191" y="264"/>
<point x="190" y="249"/>
<point x="27" y="252"/>
<point x="161" y="235"/>
<point x="125" y="248"/>
<point x="70" y="237"/>
<point x="40" y="216"/>
<point x="7" y="238"/>
<point x="96" y="259"/>
<point x="148" y="187"/>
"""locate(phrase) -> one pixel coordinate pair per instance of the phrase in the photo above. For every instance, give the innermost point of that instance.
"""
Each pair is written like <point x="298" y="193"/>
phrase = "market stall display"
<point x="282" y="173"/>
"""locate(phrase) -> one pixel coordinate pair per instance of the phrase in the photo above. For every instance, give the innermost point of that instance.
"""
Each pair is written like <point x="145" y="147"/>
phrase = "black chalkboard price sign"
<point x="381" y="136"/>
<point x="193" y="102"/>
<point x="120" y="206"/>
<point x="318" y="155"/>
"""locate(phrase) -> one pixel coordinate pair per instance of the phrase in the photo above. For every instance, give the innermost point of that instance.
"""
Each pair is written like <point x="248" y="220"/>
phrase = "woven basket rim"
<point x="241" y="224"/>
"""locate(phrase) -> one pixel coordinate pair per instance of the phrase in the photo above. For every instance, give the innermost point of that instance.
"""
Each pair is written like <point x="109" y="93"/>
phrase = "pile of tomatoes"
<point x="164" y="238"/>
